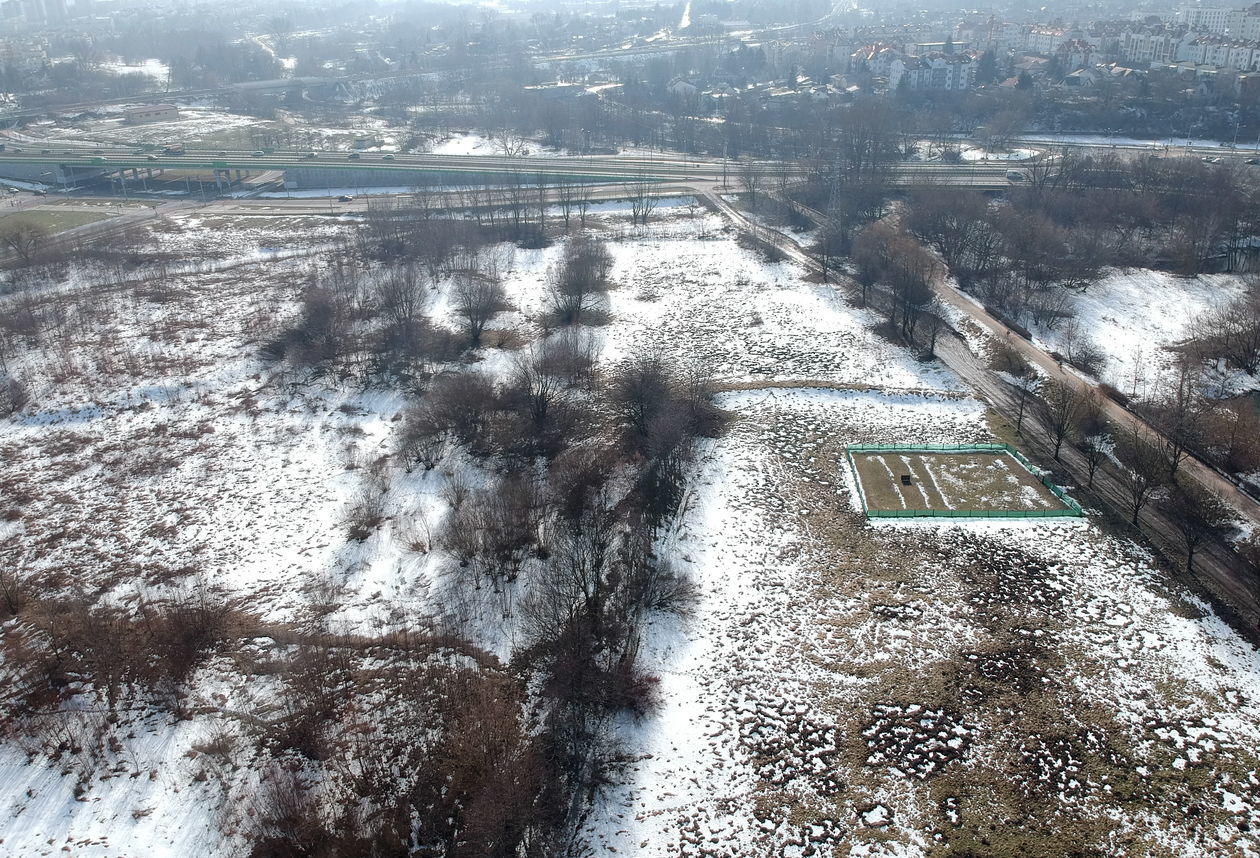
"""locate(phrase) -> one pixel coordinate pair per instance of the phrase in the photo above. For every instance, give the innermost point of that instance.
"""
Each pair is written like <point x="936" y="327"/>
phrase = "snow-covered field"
<point x="927" y="150"/>
<point x="1109" y="140"/>
<point x="841" y="687"/>
<point x="193" y="125"/>
<point x="202" y="125"/>
<point x="897" y="690"/>
<point x="1134" y="316"/>
<point x="151" y="67"/>
<point x="477" y="144"/>
<point x="978" y="154"/>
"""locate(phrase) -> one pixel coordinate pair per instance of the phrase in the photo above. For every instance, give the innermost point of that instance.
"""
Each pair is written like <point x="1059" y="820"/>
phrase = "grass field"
<point x="53" y="221"/>
<point x="972" y="481"/>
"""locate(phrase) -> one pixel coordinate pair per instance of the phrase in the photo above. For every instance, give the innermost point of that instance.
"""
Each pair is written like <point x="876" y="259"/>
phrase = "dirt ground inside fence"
<point x="972" y="481"/>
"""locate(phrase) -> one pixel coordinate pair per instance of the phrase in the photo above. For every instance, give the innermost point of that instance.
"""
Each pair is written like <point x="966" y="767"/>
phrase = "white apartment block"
<point x="933" y="72"/>
<point x="1243" y="24"/>
<point x="1221" y="53"/>
<point x="1153" y="44"/>
<point x="1205" y="19"/>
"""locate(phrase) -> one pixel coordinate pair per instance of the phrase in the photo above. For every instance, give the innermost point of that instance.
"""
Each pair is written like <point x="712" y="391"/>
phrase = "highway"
<point x="398" y="168"/>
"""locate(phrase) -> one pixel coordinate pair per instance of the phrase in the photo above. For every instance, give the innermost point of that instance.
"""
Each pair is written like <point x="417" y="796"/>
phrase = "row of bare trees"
<point x="1145" y="464"/>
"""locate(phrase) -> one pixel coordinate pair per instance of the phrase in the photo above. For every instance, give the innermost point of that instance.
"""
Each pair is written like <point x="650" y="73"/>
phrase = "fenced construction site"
<point x="953" y="481"/>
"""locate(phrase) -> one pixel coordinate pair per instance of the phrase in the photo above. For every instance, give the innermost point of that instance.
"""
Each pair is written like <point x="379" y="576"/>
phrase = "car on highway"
<point x="387" y="157"/>
<point x="1210" y="159"/>
<point x="221" y="153"/>
<point x="344" y="198"/>
<point x="257" y="153"/>
<point x="45" y="151"/>
<point x="353" y="156"/>
<point x="37" y="192"/>
<point x="1014" y="176"/>
<point x="310" y="155"/>
<point x="1252" y="161"/>
<point x="150" y="157"/>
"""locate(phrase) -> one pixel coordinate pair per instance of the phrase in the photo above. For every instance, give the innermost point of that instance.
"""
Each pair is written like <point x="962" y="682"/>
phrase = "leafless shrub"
<point x="493" y="531"/>
<point x="458" y="406"/>
<point x="14" y="396"/>
<point x="444" y="753"/>
<point x="577" y="479"/>
<point x="366" y="514"/>
<point x="647" y="393"/>
<point x="13" y="596"/>
<point x="68" y="647"/>
<point x="576" y="286"/>
<point x="570" y="354"/>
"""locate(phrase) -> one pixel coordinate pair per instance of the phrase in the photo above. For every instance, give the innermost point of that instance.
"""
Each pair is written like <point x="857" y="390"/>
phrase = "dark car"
<point x="353" y="156"/>
<point x="344" y="198"/>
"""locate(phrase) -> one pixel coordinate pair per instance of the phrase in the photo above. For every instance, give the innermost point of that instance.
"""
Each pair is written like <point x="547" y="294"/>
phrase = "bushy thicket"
<point x="414" y="741"/>
<point x="1076" y="215"/>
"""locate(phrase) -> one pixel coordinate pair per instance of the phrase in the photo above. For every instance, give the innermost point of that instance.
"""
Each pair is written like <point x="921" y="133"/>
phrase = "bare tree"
<point x="1063" y="403"/>
<point x="1180" y="413"/>
<point x="477" y="297"/>
<point x="1232" y="332"/>
<point x="642" y="200"/>
<point x="1091" y="428"/>
<point x="1143" y="466"/>
<point x="567" y="193"/>
<point x="1196" y="514"/>
<point x="751" y="179"/>
<point x="1021" y="376"/>
<point x="25" y="240"/>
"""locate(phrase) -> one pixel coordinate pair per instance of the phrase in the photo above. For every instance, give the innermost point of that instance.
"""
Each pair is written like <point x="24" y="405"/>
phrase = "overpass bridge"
<point x="73" y="166"/>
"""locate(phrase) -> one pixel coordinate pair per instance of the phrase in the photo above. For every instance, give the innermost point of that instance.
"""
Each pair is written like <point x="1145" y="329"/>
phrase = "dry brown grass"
<point x="950" y="481"/>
